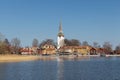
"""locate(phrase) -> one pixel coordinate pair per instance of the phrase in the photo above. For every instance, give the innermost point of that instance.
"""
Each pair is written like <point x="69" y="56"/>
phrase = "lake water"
<point x="69" y="69"/>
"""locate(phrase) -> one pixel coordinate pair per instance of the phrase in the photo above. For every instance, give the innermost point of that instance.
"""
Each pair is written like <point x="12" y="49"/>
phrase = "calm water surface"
<point x="74" y="69"/>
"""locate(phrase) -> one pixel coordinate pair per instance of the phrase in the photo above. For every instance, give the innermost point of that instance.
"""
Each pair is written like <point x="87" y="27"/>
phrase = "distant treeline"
<point x="14" y="46"/>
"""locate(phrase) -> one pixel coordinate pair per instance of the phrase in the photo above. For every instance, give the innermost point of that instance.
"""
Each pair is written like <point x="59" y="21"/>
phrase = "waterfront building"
<point x="48" y="49"/>
<point x="81" y="50"/>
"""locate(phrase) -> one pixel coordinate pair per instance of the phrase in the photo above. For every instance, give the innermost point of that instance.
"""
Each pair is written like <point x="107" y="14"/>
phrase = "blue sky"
<point x="85" y="20"/>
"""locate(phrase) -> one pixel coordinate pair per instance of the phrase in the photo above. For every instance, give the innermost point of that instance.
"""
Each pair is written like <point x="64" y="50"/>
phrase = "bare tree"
<point x="108" y="46"/>
<point x="67" y="42"/>
<point x="96" y="45"/>
<point x="2" y="37"/>
<point x="72" y="42"/>
<point x="117" y="49"/>
<point x="6" y="41"/>
<point x="15" y="43"/>
<point x="75" y="42"/>
<point x="85" y="43"/>
<point x="7" y="44"/>
<point x="47" y="41"/>
<point x="35" y="43"/>
<point x="4" y="48"/>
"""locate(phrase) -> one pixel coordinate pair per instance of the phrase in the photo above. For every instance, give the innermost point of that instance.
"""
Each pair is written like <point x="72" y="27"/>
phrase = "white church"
<point x="60" y="37"/>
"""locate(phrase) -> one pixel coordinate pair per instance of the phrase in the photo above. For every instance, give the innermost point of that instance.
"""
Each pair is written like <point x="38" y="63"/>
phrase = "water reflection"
<point x="60" y="69"/>
<point x="3" y="69"/>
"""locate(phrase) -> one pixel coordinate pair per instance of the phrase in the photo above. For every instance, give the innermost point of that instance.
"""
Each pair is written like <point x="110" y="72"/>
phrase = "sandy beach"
<point x="17" y="58"/>
<point x="21" y="58"/>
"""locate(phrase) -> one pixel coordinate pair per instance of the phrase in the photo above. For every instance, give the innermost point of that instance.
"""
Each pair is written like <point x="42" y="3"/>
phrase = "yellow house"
<point x="48" y="49"/>
<point x="82" y="50"/>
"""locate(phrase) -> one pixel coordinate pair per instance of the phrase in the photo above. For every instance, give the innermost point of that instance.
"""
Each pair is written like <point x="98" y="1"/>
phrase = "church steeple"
<point x="60" y="27"/>
<point x="60" y="30"/>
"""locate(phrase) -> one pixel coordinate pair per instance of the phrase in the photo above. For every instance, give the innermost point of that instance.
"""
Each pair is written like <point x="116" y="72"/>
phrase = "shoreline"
<point x="17" y="58"/>
<point x="22" y="58"/>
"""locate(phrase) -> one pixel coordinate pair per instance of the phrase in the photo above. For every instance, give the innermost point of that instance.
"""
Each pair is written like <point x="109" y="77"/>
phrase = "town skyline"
<point x="83" y="20"/>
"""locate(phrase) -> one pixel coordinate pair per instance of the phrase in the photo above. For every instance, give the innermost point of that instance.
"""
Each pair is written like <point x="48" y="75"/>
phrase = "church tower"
<point x="60" y="38"/>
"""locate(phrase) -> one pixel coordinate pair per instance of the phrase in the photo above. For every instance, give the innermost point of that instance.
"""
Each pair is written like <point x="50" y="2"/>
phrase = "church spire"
<point x="60" y="27"/>
<point x="60" y="30"/>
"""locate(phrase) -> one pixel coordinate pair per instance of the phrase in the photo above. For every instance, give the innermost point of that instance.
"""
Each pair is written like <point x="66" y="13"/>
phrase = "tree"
<point x="4" y="48"/>
<point x="72" y="42"/>
<point x="85" y="43"/>
<point x="35" y="43"/>
<point x="2" y="37"/>
<point x="108" y="46"/>
<point x="75" y="42"/>
<point x="96" y="45"/>
<point x="67" y="42"/>
<point x="15" y="43"/>
<point x="117" y="49"/>
<point x="47" y="41"/>
<point x="6" y="42"/>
